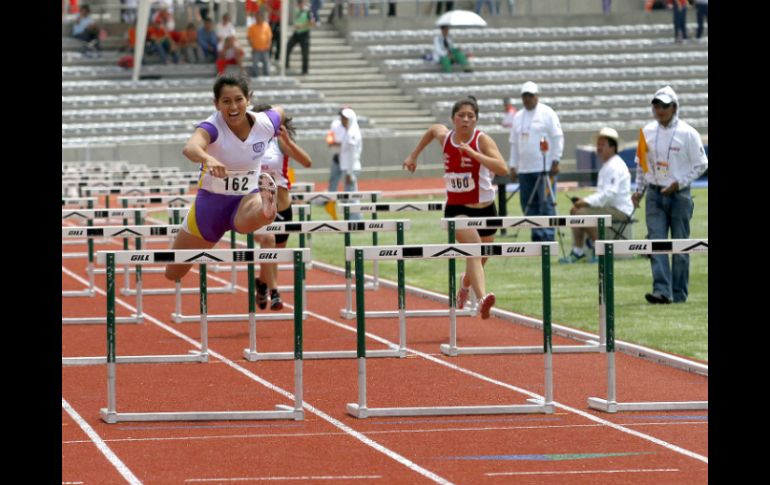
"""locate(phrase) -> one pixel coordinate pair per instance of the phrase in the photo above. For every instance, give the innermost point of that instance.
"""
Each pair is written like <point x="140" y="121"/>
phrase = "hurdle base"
<point x="251" y="356"/>
<point x="350" y="315"/>
<point x="100" y="320"/>
<point x="75" y="293"/>
<point x="234" y="317"/>
<point x="613" y="406"/>
<point x="447" y="349"/>
<point x="112" y="417"/>
<point x="194" y="356"/>
<point x="363" y="412"/>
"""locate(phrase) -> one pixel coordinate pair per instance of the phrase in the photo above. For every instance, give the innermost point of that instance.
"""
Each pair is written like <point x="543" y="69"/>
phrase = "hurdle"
<point x="115" y="231"/>
<point x="111" y="258"/>
<point x="638" y="246"/>
<point x="346" y="227"/>
<point x="600" y="222"/>
<point x="90" y="215"/>
<point x="107" y="191"/>
<point x="444" y="251"/>
<point x="374" y="208"/>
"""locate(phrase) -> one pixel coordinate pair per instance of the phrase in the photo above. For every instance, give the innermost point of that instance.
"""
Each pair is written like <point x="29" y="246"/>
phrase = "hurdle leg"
<point x="109" y="414"/>
<point x="359" y="410"/>
<point x="178" y="301"/>
<point x="299" y="305"/>
<point x="204" y="311"/>
<point x="250" y="353"/>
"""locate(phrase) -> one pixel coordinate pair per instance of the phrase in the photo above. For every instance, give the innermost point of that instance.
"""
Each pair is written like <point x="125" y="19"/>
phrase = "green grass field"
<point x="681" y="329"/>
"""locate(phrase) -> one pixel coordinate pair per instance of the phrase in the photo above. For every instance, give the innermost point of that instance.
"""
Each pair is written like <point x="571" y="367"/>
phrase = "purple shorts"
<point x="212" y="215"/>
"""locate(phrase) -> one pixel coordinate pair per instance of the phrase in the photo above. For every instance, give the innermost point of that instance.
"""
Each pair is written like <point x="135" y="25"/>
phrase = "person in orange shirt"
<point x="260" y="39"/>
<point x="161" y="41"/>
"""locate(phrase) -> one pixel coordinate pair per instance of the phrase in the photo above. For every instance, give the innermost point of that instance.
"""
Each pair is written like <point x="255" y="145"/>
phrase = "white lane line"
<point x="581" y="472"/>
<point x="100" y="444"/>
<point x="589" y="416"/>
<point x="336" y="423"/>
<point x="388" y="431"/>
<point x="255" y="479"/>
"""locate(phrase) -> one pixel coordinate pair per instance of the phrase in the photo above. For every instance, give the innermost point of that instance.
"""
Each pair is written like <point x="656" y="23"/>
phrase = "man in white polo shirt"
<point x="532" y="163"/>
<point x="612" y="196"/>
<point x="675" y="158"/>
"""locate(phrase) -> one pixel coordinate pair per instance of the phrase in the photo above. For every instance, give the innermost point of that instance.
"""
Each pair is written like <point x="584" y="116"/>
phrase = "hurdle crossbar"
<point x="110" y="413"/>
<point x="345" y="227"/>
<point x="444" y="251"/>
<point x="374" y="208"/>
<point x="627" y="247"/>
<point x="600" y="222"/>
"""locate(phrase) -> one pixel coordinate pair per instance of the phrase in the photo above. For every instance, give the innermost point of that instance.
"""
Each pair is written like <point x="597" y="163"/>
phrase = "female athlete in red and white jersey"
<point x="470" y="160"/>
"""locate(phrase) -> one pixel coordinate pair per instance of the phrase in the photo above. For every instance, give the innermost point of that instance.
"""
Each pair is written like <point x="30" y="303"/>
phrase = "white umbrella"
<point x="461" y="18"/>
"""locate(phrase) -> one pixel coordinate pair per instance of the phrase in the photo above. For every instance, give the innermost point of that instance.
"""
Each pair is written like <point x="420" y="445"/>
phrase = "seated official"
<point x="612" y="196"/>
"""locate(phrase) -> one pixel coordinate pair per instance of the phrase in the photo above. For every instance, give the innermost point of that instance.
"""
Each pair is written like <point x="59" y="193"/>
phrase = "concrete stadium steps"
<point x="86" y="87"/>
<point x="197" y="98"/>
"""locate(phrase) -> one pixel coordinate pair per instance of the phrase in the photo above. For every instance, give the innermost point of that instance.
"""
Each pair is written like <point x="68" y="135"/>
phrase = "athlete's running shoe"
<point x="275" y="300"/>
<point x="261" y="293"/>
<point x="485" y="305"/>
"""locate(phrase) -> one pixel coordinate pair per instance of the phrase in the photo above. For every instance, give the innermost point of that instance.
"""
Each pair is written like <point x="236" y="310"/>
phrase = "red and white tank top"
<point x="276" y="163"/>
<point x="467" y="181"/>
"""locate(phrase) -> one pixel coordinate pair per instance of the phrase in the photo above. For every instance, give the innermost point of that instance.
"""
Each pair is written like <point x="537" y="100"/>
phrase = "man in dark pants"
<point x="303" y="20"/>
<point x="675" y="158"/>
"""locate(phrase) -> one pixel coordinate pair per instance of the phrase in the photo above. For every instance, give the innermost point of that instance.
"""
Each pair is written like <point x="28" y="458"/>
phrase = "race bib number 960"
<point x="459" y="182"/>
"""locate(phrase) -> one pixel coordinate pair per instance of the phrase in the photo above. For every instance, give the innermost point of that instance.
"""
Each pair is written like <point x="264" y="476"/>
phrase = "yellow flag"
<point x="641" y="152"/>
<point x="290" y="175"/>
<point x="331" y="209"/>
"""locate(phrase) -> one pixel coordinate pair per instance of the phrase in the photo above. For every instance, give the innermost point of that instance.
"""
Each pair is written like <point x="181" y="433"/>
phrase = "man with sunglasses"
<point x="675" y="158"/>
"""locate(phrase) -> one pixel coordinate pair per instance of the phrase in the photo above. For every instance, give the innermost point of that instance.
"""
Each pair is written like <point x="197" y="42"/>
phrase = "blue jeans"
<point x="491" y="7"/>
<point x="334" y="175"/>
<point x="256" y="58"/>
<point x="541" y="205"/>
<point x="663" y="213"/>
<point x="680" y="21"/>
<point x="703" y="14"/>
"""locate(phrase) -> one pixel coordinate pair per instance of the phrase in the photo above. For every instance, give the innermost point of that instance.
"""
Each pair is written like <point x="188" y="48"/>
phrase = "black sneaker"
<point x="657" y="299"/>
<point x="275" y="300"/>
<point x="261" y="293"/>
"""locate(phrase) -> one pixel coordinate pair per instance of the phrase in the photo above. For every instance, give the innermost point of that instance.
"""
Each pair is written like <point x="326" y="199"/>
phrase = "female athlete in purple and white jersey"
<point x="232" y="193"/>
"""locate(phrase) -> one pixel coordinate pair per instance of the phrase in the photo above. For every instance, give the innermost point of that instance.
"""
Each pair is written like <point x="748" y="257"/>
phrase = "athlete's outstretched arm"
<point x="435" y="132"/>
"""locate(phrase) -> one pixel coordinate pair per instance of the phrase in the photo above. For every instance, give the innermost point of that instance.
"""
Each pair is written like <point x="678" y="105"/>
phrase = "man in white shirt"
<point x="675" y="158"/>
<point x="612" y="196"/>
<point x="535" y="123"/>
<point x="446" y="53"/>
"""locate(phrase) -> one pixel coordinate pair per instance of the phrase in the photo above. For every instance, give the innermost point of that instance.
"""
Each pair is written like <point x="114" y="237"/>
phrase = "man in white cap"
<point x="675" y="158"/>
<point x="612" y="196"/>
<point x="529" y="165"/>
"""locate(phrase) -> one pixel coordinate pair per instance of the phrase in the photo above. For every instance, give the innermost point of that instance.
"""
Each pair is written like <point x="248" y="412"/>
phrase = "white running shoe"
<point x="267" y="192"/>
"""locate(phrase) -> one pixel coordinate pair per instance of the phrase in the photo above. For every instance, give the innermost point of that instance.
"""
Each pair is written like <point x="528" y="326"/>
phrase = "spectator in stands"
<point x="702" y="11"/>
<point x="207" y="40"/>
<point x="161" y="42"/>
<point x="193" y="12"/>
<point x="675" y="158"/>
<point x="203" y="8"/>
<point x="85" y="29"/>
<point x="471" y="160"/>
<point x="510" y="7"/>
<point x="351" y="146"/>
<point x="316" y="5"/>
<point x="303" y="21"/>
<point x="510" y="111"/>
<point x="230" y="55"/>
<point x="446" y="53"/>
<point x="680" y="20"/>
<point x="188" y="44"/>
<point x="128" y="15"/>
<point x="274" y="19"/>
<point x="275" y="162"/>
<point x="164" y="16"/>
<point x="251" y="8"/>
<point x="225" y="28"/>
<point x="530" y="164"/>
<point x="612" y="196"/>
<point x="491" y="7"/>
<point x="447" y="6"/>
<point x="391" y="8"/>
<point x="221" y="205"/>
<point x="260" y="39"/>
<point x="358" y="7"/>
<point x="334" y="140"/>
